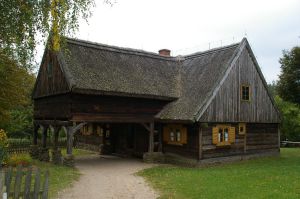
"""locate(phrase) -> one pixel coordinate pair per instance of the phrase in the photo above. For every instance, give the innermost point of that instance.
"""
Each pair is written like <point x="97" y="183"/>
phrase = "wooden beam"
<point x="78" y="127"/>
<point x="200" y="148"/>
<point x="151" y="138"/>
<point x="35" y="134"/>
<point x="53" y="122"/>
<point x="44" y="136"/>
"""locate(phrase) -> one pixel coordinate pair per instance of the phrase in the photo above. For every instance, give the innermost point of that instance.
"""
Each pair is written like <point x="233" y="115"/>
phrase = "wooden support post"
<point x="200" y="138"/>
<point x="151" y="138"/>
<point x="44" y="136"/>
<point x="69" y="140"/>
<point x="70" y="135"/>
<point x="56" y="135"/>
<point x="160" y="140"/>
<point x="35" y="134"/>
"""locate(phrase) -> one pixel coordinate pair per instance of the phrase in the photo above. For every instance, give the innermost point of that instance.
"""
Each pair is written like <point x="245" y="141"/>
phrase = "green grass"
<point x="79" y="152"/>
<point x="60" y="177"/>
<point x="261" y="178"/>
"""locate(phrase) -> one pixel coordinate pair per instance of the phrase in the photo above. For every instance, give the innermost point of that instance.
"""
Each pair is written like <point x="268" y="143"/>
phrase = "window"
<point x="245" y="93"/>
<point x="223" y="135"/>
<point x="172" y="136"/>
<point x="175" y="134"/>
<point x="87" y="129"/>
<point x="242" y="128"/>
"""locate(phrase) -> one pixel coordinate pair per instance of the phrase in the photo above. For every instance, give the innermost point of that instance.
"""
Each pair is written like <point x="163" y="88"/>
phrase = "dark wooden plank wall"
<point x="227" y="105"/>
<point x="260" y="137"/>
<point x="129" y="139"/>
<point x="112" y="108"/>
<point x="50" y="85"/>
<point x="190" y="149"/>
<point x="53" y="107"/>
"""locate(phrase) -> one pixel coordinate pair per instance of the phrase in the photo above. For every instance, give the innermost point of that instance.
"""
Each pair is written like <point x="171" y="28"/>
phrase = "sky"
<point x="191" y="26"/>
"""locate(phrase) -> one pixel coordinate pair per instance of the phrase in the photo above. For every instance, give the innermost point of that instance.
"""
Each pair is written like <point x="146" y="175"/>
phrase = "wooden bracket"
<point x="146" y="126"/>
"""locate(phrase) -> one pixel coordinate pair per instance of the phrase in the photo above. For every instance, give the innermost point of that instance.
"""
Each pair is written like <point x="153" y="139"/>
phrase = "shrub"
<point x="19" y="159"/>
<point x="3" y="147"/>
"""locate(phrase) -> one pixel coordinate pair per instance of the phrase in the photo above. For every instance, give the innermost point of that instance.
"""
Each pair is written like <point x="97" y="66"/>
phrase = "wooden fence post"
<point x="23" y="191"/>
<point x="27" y="184"/>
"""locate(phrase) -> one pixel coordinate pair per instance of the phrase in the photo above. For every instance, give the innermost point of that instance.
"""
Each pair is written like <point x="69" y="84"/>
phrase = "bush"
<point x="3" y="146"/>
<point x="19" y="159"/>
<point x="290" y="124"/>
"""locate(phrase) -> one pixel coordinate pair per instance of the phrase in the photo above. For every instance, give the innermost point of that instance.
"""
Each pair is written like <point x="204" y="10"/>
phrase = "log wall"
<point x="259" y="138"/>
<point x="112" y="108"/>
<point x="190" y="149"/>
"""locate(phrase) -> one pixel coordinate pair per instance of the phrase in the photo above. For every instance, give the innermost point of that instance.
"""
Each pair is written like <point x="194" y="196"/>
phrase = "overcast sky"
<point x="189" y="26"/>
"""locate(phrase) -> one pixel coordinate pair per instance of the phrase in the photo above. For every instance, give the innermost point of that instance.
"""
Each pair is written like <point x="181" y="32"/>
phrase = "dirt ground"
<point x="109" y="177"/>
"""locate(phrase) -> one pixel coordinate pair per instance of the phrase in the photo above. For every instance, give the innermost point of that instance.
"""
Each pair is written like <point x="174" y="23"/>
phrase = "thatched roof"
<point x="185" y="81"/>
<point x="100" y="69"/>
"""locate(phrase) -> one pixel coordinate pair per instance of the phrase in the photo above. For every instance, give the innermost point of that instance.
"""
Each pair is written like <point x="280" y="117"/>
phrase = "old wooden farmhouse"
<point x="202" y="106"/>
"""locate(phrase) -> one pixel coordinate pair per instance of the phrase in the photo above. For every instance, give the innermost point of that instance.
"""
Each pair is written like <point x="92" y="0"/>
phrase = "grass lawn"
<point x="261" y="178"/>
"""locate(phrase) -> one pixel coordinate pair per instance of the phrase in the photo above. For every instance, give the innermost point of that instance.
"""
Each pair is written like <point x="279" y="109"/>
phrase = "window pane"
<point x="226" y="134"/>
<point x="172" y="136"/>
<point x="220" y="136"/>
<point x="178" y="136"/>
<point x="245" y="92"/>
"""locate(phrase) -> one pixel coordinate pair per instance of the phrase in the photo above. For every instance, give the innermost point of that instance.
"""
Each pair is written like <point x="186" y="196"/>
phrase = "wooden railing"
<point x="23" y="183"/>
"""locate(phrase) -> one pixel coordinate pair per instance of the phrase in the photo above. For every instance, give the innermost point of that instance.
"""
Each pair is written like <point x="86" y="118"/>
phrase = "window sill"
<point x="175" y="143"/>
<point x="223" y="144"/>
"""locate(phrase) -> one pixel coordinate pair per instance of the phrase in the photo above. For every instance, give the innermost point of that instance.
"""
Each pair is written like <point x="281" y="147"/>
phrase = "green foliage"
<point x="19" y="143"/>
<point x="15" y="86"/>
<point x="289" y="79"/>
<point x="290" y="124"/>
<point x="23" y="23"/>
<point x="20" y="124"/>
<point x="3" y="147"/>
<point x="261" y="178"/>
<point x="19" y="159"/>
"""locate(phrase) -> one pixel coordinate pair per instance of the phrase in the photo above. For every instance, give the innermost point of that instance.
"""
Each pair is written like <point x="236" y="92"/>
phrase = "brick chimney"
<point x="164" y="52"/>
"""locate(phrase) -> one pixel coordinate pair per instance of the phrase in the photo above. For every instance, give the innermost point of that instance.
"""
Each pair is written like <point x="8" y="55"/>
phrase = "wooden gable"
<point x="227" y="105"/>
<point x="51" y="79"/>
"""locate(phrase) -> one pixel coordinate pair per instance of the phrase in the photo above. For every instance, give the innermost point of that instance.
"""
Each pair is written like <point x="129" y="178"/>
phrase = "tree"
<point x="15" y="86"/>
<point x="289" y="79"/>
<point x="290" y="124"/>
<point x="23" y="23"/>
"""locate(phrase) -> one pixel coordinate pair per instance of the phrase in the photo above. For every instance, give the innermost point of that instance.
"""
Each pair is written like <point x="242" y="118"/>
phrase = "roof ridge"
<point x="118" y="49"/>
<point x="201" y="53"/>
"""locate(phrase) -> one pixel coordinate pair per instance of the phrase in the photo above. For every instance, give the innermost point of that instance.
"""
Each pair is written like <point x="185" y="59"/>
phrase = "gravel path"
<point x="109" y="177"/>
